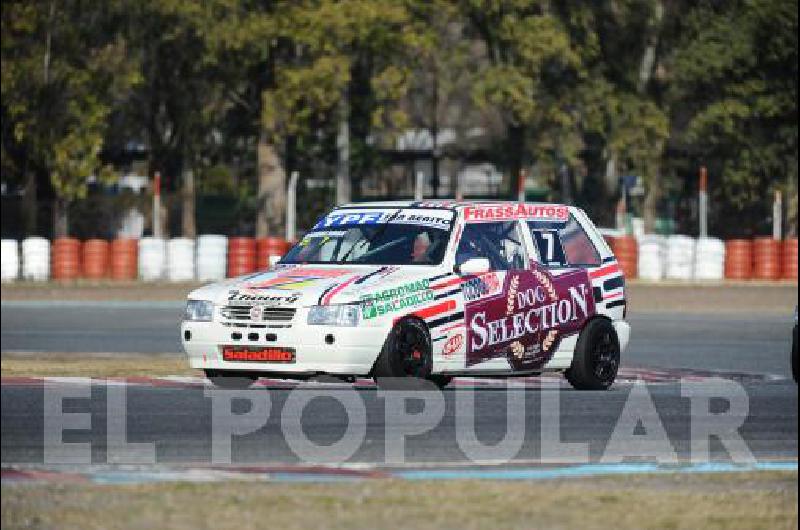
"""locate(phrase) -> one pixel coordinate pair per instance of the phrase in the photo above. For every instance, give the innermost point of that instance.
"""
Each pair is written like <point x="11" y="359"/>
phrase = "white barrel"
<point x="36" y="259"/>
<point x="180" y="259"/>
<point x="680" y="257"/>
<point x="9" y="260"/>
<point x="152" y="258"/>
<point x="709" y="260"/>
<point x="651" y="257"/>
<point x="212" y="256"/>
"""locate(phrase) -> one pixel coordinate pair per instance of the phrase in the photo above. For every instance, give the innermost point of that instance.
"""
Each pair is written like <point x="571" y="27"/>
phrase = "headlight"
<point x="334" y="315"/>
<point x="199" y="310"/>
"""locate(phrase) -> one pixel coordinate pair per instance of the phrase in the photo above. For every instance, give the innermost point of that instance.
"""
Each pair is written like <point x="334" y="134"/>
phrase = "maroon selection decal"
<point x="527" y="323"/>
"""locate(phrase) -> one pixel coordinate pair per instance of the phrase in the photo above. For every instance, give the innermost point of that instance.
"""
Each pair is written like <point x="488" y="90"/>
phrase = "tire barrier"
<point x="789" y="268"/>
<point x="35" y="259"/>
<point x="738" y="259"/>
<point x="270" y="250"/>
<point x="152" y="258"/>
<point x="212" y="257"/>
<point x="211" y="260"/>
<point x="180" y="259"/>
<point x="241" y="256"/>
<point x="66" y="259"/>
<point x="709" y="259"/>
<point x="766" y="258"/>
<point x="96" y="259"/>
<point x="680" y="258"/>
<point x="651" y="257"/>
<point x="124" y="259"/>
<point x="9" y="260"/>
<point x="626" y="249"/>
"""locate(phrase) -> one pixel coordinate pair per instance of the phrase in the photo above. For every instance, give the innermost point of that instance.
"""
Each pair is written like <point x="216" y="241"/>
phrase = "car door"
<point x="487" y="296"/>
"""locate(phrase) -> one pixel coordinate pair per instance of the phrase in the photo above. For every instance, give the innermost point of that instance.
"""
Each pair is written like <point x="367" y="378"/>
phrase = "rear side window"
<point x="499" y="242"/>
<point x="563" y="244"/>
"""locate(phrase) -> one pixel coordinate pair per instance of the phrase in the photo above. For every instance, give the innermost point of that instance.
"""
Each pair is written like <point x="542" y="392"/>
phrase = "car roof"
<point x="451" y="204"/>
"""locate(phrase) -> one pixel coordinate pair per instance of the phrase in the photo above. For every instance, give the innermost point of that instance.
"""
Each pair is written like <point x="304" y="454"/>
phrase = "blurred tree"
<point x="533" y="73"/>
<point x="733" y="83"/>
<point x="64" y="70"/>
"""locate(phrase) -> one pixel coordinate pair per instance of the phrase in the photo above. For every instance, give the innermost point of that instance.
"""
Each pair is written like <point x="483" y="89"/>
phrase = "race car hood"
<point x="307" y="285"/>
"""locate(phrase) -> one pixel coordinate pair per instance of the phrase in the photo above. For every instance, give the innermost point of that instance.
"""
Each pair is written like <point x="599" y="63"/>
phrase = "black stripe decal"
<point x="370" y="275"/>
<point x="326" y="291"/>
<point x="614" y="283"/>
<point x="439" y="338"/>
<point x="609" y="259"/>
<point x="439" y="277"/>
<point x="444" y="320"/>
<point x="616" y="303"/>
<point x="448" y="293"/>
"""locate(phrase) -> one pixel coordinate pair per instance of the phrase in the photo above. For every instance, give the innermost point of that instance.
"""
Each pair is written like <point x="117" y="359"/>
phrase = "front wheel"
<point x="230" y="380"/>
<point x="596" y="359"/>
<point x="406" y="359"/>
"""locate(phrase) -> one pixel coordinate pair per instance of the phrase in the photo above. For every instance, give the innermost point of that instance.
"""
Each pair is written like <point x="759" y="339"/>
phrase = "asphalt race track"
<point x="178" y="419"/>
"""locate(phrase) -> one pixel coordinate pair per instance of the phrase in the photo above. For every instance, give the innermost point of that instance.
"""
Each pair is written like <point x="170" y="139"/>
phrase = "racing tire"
<point x="596" y="359"/>
<point x="440" y="380"/>
<point x="228" y="381"/>
<point x="405" y="361"/>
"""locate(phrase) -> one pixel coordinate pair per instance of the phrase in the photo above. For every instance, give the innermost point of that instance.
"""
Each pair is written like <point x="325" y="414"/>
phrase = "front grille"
<point x="268" y="314"/>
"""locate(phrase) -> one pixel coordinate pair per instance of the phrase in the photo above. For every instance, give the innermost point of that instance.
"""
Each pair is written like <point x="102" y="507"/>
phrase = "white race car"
<point x="421" y="289"/>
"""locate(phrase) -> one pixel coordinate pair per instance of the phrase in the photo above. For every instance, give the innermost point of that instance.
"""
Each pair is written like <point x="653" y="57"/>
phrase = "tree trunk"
<point x="343" y="184"/>
<point x="516" y="146"/>
<point x="271" y="215"/>
<point x="60" y="218"/>
<point x="188" y="218"/>
<point x="29" y="206"/>
<point x="646" y="68"/>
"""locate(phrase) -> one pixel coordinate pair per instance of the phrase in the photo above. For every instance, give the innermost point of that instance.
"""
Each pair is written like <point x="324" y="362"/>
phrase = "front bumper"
<point x="353" y="352"/>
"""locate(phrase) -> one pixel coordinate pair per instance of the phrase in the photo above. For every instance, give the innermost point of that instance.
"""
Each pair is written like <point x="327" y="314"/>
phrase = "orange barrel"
<point x="626" y="250"/>
<point x="738" y="259"/>
<point x="124" y="259"/>
<point x="241" y="256"/>
<point x="95" y="259"/>
<point x="789" y="268"/>
<point x="66" y="259"/>
<point x="270" y="250"/>
<point x="766" y="258"/>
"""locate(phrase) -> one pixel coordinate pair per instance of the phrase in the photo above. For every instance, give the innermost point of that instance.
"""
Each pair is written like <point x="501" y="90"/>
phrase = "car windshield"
<point x="405" y="236"/>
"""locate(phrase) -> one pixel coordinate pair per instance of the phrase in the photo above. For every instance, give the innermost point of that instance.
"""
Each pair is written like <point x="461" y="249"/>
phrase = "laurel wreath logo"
<point x="513" y="287"/>
<point x="548" y="341"/>
<point x="517" y="349"/>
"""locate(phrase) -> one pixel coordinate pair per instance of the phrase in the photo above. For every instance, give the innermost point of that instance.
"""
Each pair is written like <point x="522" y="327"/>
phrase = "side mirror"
<point x="473" y="266"/>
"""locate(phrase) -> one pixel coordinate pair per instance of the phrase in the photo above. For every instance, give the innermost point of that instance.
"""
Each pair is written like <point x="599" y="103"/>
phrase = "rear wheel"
<point x="406" y="357"/>
<point x="230" y="380"/>
<point x="596" y="359"/>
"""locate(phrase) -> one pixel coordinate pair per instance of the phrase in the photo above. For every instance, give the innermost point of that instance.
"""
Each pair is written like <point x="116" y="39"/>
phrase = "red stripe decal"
<point x="448" y="283"/>
<point x="605" y="271"/>
<point x="459" y="325"/>
<point x="614" y="296"/>
<point x="336" y="290"/>
<point x="434" y="310"/>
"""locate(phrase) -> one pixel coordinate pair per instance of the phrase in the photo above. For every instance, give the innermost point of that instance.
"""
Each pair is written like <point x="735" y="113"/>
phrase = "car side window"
<point x="563" y="244"/>
<point x="499" y="242"/>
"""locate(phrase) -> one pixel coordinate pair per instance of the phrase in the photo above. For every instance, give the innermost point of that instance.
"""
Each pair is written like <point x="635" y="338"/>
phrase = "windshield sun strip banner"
<point x="441" y="219"/>
<point x="511" y="212"/>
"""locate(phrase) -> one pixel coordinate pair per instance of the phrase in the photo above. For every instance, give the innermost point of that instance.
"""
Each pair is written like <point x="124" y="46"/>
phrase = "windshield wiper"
<point x="369" y="240"/>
